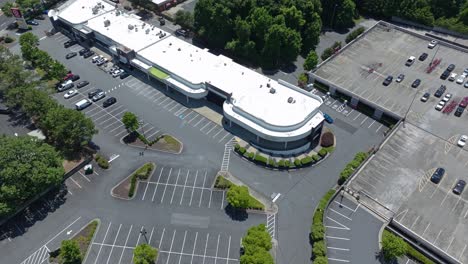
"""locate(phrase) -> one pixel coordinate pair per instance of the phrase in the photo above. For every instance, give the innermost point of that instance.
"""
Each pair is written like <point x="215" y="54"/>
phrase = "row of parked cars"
<point x="439" y="174"/>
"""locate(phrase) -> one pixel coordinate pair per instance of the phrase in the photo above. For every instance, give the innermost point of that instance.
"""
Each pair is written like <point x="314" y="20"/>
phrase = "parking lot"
<point x="398" y="177"/>
<point x="361" y="68"/>
<point x="182" y="187"/>
<point x="114" y="243"/>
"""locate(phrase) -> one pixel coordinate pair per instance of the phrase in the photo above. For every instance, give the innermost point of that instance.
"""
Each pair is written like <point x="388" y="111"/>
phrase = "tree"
<point x="29" y="38"/>
<point x="56" y="70"/>
<point x="130" y="121"/>
<point x="258" y="257"/>
<point x="6" y="8"/>
<point x="311" y="61"/>
<point x="282" y="45"/>
<point x="393" y="246"/>
<point x="144" y="254"/>
<point x="70" y="252"/>
<point x="12" y="72"/>
<point x="293" y="17"/>
<point x="37" y="103"/>
<point x="184" y="19"/>
<point x="321" y="260"/>
<point x="208" y="13"/>
<point x="27" y="167"/>
<point x="257" y="237"/>
<point x="338" y="13"/>
<point x="238" y="196"/>
<point x="67" y="129"/>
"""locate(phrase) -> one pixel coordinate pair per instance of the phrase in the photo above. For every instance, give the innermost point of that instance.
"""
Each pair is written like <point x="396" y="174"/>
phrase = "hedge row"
<point x="141" y="174"/>
<point x="354" y="34"/>
<point x="317" y="230"/>
<point x="101" y="161"/>
<point x="351" y="166"/>
<point x="283" y="163"/>
<point x="408" y="249"/>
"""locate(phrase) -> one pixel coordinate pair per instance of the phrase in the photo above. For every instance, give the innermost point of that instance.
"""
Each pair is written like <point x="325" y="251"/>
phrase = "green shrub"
<point x="237" y="147"/>
<point x="318" y="232"/>
<point x="281" y="163"/>
<point x="222" y="183"/>
<point x="393" y="246"/>
<point x="303" y="79"/>
<point x="133" y="182"/>
<point x="330" y="149"/>
<point x="316" y="157"/>
<point x="319" y="249"/>
<point x="322" y="152"/>
<point x="145" y="171"/>
<point x="354" y="34"/>
<point x="361" y="156"/>
<point x="413" y="253"/>
<point x="101" y="161"/>
<point x="321" y="260"/>
<point x="250" y="155"/>
<point x="287" y="163"/>
<point x="354" y="164"/>
<point x="272" y="162"/>
<point x="261" y="159"/>
<point x="242" y="150"/>
<point x="255" y="204"/>
<point x="327" y="53"/>
<point x="297" y="162"/>
<point x="306" y="160"/>
<point x="9" y="39"/>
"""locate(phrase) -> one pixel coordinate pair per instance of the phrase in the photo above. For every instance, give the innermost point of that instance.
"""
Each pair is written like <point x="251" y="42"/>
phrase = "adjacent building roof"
<point x="77" y="12"/>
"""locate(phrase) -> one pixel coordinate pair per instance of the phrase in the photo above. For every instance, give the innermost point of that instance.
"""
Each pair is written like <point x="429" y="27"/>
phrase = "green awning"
<point x="158" y="73"/>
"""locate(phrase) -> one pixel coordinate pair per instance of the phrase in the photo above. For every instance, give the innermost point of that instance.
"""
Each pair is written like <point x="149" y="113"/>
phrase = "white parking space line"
<point x="358" y="115"/>
<point x="220" y="130"/>
<point x="175" y="187"/>
<point x="427" y="227"/>
<point x="209" y="203"/>
<point x="183" y="245"/>
<point x="217" y="247"/>
<point x="115" y="240"/>
<point x="437" y="238"/>
<point x="229" y="249"/>
<point x="153" y="134"/>
<point x="193" y="118"/>
<point x="84" y="176"/>
<point x="342" y="249"/>
<point x="222" y="201"/>
<point x="121" y="125"/>
<point x="187" y="115"/>
<point x="338" y="238"/>
<point x="155" y="189"/>
<point x="170" y="103"/>
<point x="151" y="236"/>
<point x="339" y="260"/>
<point x="371" y="124"/>
<point x="336" y="212"/>
<point x="162" y="237"/>
<point x="103" y="240"/>
<point x="206" y="245"/>
<point x="201" y="195"/>
<point x="75" y="182"/>
<point x="227" y="134"/>
<point x="344" y="206"/>
<point x="364" y="120"/>
<point x="194" y="246"/>
<point x="215" y="126"/>
<point x="181" y="112"/>
<point x="379" y="128"/>
<point x="209" y="122"/>
<point x="167" y="98"/>
<point x="193" y="188"/>
<point x="165" y="187"/>
<point x="199" y="122"/>
<point x="183" y="191"/>
<point x="170" y="249"/>
<point x="176" y="105"/>
<point x="463" y="251"/>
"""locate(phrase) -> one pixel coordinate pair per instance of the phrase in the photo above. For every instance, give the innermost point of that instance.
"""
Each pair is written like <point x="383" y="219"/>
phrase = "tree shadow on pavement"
<point x="37" y="211"/>
<point x="236" y="214"/>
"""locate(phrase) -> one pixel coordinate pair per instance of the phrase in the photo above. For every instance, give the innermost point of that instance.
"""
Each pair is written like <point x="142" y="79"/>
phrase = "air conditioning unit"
<point x="107" y="23"/>
<point x="130" y="27"/>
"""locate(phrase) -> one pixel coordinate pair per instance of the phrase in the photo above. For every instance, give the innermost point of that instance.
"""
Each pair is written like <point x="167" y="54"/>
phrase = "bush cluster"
<point x="359" y="158"/>
<point x="222" y="183"/>
<point x="354" y="34"/>
<point x="9" y="39"/>
<point x="317" y="234"/>
<point x="141" y="174"/>
<point x="328" y="52"/>
<point x="257" y="244"/>
<point x="101" y="161"/>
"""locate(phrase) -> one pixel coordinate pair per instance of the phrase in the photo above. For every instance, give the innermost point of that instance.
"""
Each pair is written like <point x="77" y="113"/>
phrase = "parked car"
<point x="32" y="22"/>
<point x="88" y="54"/>
<point x="388" y="80"/>
<point x="416" y="83"/>
<point x="82" y="84"/>
<point x="70" y="55"/>
<point x="451" y="67"/>
<point x="70" y="94"/>
<point x="425" y="97"/>
<point x="162" y="21"/>
<point x="437" y="175"/>
<point x="440" y="106"/>
<point x="462" y="141"/>
<point x="117" y="72"/>
<point x="460" y="79"/>
<point x="93" y="93"/>
<point x="464" y="102"/>
<point x="83" y="51"/>
<point x="459" y="187"/>
<point x="109" y="101"/>
<point x="328" y="118"/>
<point x="423" y="56"/>
<point x="400" y="78"/>
<point x="98" y="96"/>
<point x="96" y="58"/>
<point x="452" y="77"/>
<point x="102" y="62"/>
<point x="181" y="32"/>
<point x="75" y="77"/>
<point x="440" y="91"/>
<point x="466" y="85"/>
<point x="447" y="97"/>
<point x="410" y="61"/>
<point x="68" y="76"/>
<point x="432" y="44"/>
<point x="445" y="75"/>
<point x="124" y="75"/>
<point x="459" y="111"/>
<point x="69" y="43"/>
<point x="68" y="84"/>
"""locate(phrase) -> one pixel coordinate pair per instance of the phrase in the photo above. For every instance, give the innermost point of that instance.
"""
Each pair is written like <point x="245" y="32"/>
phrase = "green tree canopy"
<point x="144" y="254"/>
<point x="70" y="252"/>
<point x="27" y="167"/>
<point x="393" y="246"/>
<point x="29" y="38"/>
<point x="258" y="257"/>
<point x="37" y="103"/>
<point x="311" y="61"/>
<point x="282" y="44"/>
<point x="184" y="19"/>
<point x="130" y="121"/>
<point x="67" y="129"/>
<point x="238" y="196"/>
<point x="257" y="237"/>
<point x="12" y="72"/>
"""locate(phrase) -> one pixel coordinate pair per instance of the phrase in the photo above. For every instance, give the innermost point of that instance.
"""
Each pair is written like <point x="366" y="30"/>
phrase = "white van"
<point x="65" y="85"/>
<point x="410" y="61"/>
<point x="82" y="104"/>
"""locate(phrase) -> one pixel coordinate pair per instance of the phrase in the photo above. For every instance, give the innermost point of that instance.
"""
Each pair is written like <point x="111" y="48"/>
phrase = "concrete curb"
<point x="157" y="150"/>
<point x="137" y="183"/>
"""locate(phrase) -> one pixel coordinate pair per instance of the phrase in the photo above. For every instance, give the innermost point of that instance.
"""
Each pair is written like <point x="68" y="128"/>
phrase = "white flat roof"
<point x="248" y="88"/>
<point x="77" y="12"/>
<point x="118" y="29"/>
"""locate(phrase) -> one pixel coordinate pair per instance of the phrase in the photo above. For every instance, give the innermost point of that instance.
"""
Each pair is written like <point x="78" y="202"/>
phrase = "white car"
<point x="447" y="97"/>
<point x="460" y="79"/>
<point x="462" y="141"/>
<point x="452" y="77"/>
<point x="432" y="44"/>
<point x="117" y="72"/>
<point x="440" y="105"/>
<point x="70" y="93"/>
<point x="97" y="58"/>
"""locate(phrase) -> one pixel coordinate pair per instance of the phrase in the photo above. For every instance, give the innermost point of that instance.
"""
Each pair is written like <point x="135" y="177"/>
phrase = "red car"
<point x="68" y="76"/>
<point x="464" y="102"/>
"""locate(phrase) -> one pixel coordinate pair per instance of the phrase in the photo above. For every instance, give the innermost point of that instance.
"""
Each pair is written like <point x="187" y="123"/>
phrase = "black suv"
<point x="459" y="111"/>
<point x="458" y="189"/>
<point x="93" y="93"/>
<point x="75" y="77"/>
<point x="388" y="80"/>
<point x="416" y="83"/>
<point x="423" y="56"/>
<point x="437" y="175"/>
<point x="88" y="54"/>
<point x="83" y="51"/>
<point x="109" y="101"/>
<point x="451" y="67"/>
<point x="445" y="75"/>
<point x="440" y="91"/>
<point x="69" y="43"/>
<point x="181" y="32"/>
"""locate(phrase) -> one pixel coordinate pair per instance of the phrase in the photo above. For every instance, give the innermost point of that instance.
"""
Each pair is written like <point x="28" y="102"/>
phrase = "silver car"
<point x="98" y="96"/>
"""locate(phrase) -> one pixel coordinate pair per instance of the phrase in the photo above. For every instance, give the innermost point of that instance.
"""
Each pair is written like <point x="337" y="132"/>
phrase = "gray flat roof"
<point x="361" y="67"/>
<point x="398" y="176"/>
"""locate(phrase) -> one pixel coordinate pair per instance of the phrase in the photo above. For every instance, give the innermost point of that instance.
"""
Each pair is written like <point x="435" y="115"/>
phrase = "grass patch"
<point x="141" y="174"/>
<point x="411" y="252"/>
<point x="172" y="143"/>
<point x="222" y="183"/>
<point x="255" y="204"/>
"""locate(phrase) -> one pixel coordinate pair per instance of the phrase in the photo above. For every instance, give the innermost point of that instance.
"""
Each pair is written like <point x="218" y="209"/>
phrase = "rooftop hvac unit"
<point x="147" y="31"/>
<point x="291" y="100"/>
<point x="106" y="23"/>
<point x="130" y="26"/>
<point x="268" y="85"/>
<point x="95" y="10"/>
<point x="272" y="91"/>
<point x="136" y="29"/>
